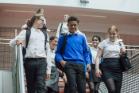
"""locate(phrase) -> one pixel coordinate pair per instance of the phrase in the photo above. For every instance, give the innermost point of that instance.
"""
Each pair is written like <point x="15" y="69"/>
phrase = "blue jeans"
<point x="76" y="77"/>
<point x="35" y="70"/>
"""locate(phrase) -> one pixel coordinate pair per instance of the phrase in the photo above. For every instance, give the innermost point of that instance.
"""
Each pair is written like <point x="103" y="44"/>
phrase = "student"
<point x="110" y="70"/>
<point x="95" y="80"/>
<point x="52" y="71"/>
<point x="62" y="27"/>
<point x="39" y="12"/>
<point x="75" y="58"/>
<point x="35" y="57"/>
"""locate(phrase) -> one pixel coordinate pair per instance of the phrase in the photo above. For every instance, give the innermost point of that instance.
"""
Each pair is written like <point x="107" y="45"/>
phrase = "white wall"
<point x="118" y="5"/>
<point x="6" y="85"/>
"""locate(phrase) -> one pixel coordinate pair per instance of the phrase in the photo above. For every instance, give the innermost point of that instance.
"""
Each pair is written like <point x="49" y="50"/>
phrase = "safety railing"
<point x="131" y="77"/>
<point x="11" y="60"/>
<point x="6" y="54"/>
<point x="132" y="50"/>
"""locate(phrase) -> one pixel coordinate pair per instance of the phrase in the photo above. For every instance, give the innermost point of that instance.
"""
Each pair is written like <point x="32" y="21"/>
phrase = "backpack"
<point x="58" y="65"/>
<point x="28" y="32"/>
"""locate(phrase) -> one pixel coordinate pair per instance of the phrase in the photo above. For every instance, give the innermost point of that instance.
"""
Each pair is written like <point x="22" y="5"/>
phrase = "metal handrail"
<point x="132" y="46"/>
<point x="134" y="56"/>
<point x="2" y="41"/>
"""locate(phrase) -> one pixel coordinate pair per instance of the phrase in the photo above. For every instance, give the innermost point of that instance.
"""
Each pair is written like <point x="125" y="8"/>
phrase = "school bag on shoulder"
<point x="124" y="61"/>
<point x="61" y="28"/>
<point x="58" y="65"/>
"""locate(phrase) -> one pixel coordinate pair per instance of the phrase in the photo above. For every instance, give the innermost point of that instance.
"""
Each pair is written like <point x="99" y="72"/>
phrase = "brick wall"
<point x="128" y="39"/>
<point x="6" y="52"/>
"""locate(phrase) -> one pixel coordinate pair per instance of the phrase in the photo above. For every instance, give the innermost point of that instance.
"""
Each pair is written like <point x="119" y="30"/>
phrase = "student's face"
<point x="72" y="26"/>
<point x="53" y="43"/>
<point x="66" y="17"/>
<point x="39" y="22"/>
<point x="113" y="35"/>
<point x="95" y="41"/>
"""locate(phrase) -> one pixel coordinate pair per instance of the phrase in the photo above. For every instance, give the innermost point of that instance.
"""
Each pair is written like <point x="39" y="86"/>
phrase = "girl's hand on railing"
<point x="18" y="42"/>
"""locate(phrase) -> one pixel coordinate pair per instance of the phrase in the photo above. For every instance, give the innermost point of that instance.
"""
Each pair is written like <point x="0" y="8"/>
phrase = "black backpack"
<point x="62" y="49"/>
<point x="28" y="32"/>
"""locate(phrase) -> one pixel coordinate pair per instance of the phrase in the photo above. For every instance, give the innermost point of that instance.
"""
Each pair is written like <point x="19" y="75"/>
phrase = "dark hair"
<point x="73" y="18"/>
<point x="96" y="36"/>
<point x="52" y="38"/>
<point x="31" y="22"/>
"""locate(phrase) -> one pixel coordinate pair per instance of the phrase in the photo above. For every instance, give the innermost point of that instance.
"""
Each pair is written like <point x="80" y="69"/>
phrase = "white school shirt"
<point x="50" y="60"/>
<point x="64" y="29"/>
<point x="35" y="47"/>
<point x="93" y="54"/>
<point x="111" y="49"/>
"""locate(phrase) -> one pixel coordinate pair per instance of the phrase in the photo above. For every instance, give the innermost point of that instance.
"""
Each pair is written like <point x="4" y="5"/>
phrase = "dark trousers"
<point x="76" y="77"/>
<point x="49" y="90"/>
<point x="35" y="70"/>
<point x="93" y="86"/>
<point x="93" y="81"/>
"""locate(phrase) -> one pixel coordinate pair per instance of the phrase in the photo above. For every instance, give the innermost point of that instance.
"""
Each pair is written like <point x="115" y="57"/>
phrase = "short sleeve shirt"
<point x="93" y="54"/>
<point x="111" y="49"/>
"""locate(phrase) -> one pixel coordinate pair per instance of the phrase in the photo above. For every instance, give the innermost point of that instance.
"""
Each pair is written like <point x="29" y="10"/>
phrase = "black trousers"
<point x="35" y="70"/>
<point x="49" y="90"/>
<point x="76" y="80"/>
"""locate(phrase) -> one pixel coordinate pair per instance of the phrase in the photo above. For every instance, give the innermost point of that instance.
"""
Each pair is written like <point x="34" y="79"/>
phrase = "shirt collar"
<point x="117" y="40"/>
<point x="34" y="29"/>
<point x="75" y="33"/>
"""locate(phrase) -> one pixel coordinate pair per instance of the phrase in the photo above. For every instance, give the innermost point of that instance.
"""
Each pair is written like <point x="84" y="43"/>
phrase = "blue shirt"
<point x="76" y="49"/>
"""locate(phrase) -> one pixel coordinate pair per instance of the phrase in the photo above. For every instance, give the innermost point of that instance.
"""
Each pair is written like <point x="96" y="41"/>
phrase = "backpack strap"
<point x="62" y="49"/>
<point x="28" y="32"/>
<point x="61" y="28"/>
<point x="64" y="43"/>
<point x="45" y="34"/>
